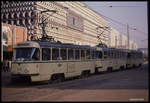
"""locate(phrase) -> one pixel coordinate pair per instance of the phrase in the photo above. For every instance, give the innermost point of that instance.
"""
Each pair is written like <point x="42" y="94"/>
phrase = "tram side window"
<point x="112" y="54"/>
<point x="98" y="54"/>
<point x="140" y="55"/>
<point x="70" y="54"/>
<point x="63" y="54"/>
<point x="105" y="54"/>
<point x="46" y="54"/>
<point x="77" y="54"/>
<point x="129" y="55"/>
<point x="82" y="54"/>
<point x="88" y="56"/>
<point x="109" y="54"/>
<point x="117" y="54"/>
<point x="136" y="55"/>
<point x="36" y="55"/>
<point x="92" y="54"/>
<point x="55" y="54"/>
<point x="124" y="55"/>
<point x="120" y="54"/>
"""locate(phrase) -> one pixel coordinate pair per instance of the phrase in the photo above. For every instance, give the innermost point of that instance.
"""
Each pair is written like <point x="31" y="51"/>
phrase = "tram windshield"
<point x="27" y="54"/>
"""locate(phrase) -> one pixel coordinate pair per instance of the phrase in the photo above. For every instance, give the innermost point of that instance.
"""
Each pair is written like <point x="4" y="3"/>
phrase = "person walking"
<point x="7" y="65"/>
<point x="4" y="65"/>
<point x="10" y="65"/>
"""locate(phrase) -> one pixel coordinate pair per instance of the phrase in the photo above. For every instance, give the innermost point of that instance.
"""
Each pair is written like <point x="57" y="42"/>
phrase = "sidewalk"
<point x="5" y="74"/>
<point x="5" y="78"/>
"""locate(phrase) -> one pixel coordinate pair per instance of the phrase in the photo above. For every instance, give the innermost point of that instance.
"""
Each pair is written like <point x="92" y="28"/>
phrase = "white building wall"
<point x="114" y="38"/>
<point x="74" y="22"/>
<point x="130" y="44"/>
<point x="84" y="31"/>
<point x="124" y="41"/>
<point x="135" y="46"/>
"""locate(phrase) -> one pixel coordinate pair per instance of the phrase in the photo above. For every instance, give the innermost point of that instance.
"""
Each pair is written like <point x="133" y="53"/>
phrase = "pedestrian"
<point x="4" y="65"/>
<point x="10" y="65"/>
<point x="7" y="65"/>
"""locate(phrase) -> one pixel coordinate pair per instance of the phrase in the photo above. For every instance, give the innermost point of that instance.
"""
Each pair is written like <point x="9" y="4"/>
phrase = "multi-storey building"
<point x="117" y="40"/>
<point x="124" y="41"/>
<point x="68" y="22"/>
<point x="114" y="38"/>
<point x="133" y="45"/>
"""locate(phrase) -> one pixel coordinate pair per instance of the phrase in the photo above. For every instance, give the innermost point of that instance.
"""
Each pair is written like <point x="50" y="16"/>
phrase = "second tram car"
<point x="134" y="59"/>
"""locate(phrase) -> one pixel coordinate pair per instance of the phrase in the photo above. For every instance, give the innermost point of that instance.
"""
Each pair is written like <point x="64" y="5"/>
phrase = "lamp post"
<point x="129" y="34"/>
<point x="1" y="45"/>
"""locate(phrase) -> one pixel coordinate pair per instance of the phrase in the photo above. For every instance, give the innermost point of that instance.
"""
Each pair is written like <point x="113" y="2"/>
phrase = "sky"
<point x="132" y="13"/>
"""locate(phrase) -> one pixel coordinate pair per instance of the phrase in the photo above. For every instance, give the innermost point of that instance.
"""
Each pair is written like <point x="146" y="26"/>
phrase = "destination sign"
<point x="23" y="44"/>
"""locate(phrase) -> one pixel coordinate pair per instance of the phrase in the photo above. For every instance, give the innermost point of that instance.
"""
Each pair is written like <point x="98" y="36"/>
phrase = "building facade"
<point x="10" y="35"/>
<point x="72" y="22"/>
<point x="124" y="41"/>
<point x="114" y="38"/>
<point x="118" y="40"/>
<point x="132" y="45"/>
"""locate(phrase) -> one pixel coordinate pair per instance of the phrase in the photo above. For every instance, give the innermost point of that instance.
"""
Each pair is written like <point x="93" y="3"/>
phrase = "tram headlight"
<point x="26" y="70"/>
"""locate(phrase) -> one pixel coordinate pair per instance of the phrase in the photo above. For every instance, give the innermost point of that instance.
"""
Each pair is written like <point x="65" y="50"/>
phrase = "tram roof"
<point x="63" y="45"/>
<point x="115" y="49"/>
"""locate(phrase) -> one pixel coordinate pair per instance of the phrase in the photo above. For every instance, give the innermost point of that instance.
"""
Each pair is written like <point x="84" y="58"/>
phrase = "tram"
<point x="134" y="59"/>
<point x="47" y="61"/>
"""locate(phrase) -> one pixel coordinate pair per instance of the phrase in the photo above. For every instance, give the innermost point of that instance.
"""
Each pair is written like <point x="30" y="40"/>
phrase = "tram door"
<point x="105" y="61"/>
<point x="71" y="63"/>
<point x="71" y="67"/>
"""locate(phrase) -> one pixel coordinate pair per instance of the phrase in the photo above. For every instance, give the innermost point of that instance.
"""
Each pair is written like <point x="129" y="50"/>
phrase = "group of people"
<point x="6" y="65"/>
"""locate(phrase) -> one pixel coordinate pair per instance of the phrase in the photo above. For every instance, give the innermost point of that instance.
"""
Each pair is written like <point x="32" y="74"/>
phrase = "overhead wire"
<point x="108" y="18"/>
<point x="123" y="24"/>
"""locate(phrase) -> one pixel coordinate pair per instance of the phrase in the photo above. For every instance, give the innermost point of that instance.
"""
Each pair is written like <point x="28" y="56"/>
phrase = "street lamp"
<point x="128" y="33"/>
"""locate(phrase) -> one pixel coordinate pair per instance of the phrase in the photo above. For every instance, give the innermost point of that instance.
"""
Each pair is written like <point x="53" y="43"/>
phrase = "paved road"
<point x="127" y="85"/>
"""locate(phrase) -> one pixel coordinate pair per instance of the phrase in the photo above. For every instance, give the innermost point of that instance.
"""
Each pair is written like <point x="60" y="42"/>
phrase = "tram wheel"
<point x="109" y="70"/>
<point x="85" y="74"/>
<point x="57" y="78"/>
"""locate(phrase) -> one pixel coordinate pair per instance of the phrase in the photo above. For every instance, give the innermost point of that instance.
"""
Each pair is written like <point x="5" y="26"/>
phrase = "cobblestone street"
<point x="115" y="86"/>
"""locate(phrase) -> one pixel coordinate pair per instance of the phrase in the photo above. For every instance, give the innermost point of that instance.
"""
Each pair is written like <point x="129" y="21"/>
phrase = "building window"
<point x="9" y="19"/>
<point x="73" y="21"/>
<point x="4" y="18"/>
